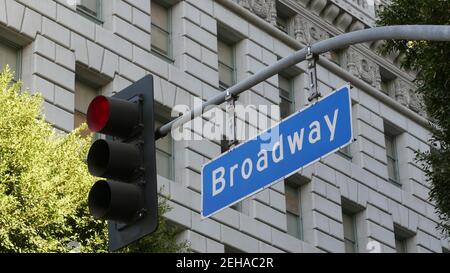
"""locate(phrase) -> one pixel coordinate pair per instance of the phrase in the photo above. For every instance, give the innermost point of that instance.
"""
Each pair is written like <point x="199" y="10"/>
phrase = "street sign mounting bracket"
<point x="230" y="100"/>
<point x="313" y="92"/>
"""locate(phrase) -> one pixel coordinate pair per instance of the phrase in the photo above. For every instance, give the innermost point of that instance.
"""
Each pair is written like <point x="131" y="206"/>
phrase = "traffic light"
<point x="126" y="159"/>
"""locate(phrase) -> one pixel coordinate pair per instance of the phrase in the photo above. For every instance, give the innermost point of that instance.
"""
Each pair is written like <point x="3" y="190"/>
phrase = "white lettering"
<point x="279" y="146"/>
<point x="232" y="169"/>
<point x="332" y="126"/>
<point x="296" y="141"/>
<point x="249" y="163"/>
<point x="262" y="157"/>
<point x="315" y="130"/>
<point x="218" y="180"/>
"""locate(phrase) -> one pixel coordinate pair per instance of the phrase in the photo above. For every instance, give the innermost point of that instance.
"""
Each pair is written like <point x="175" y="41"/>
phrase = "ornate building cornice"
<point x="327" y="17"/>
<point x="320" y="19"/>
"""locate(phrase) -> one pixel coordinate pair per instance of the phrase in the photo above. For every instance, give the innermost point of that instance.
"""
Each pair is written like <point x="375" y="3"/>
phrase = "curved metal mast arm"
<point x="405" y="32"/>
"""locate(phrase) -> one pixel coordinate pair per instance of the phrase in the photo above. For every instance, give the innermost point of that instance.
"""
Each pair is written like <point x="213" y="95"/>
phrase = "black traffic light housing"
<point x="126" y="158"/>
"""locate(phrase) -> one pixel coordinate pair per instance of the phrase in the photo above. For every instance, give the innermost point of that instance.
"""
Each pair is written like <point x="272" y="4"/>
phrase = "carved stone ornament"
<point x="363" y="68"/>
<point x="406" y="95"/>
<point x="401" y="91"/>
<point x="361" y="3"/>
<point x="415" y="102"/>
<point x="306" y="32"/>
<point x="266" y="9"/>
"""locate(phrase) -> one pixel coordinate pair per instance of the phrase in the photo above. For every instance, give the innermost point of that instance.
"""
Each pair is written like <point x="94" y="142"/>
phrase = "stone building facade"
<point x="371" y="196"/>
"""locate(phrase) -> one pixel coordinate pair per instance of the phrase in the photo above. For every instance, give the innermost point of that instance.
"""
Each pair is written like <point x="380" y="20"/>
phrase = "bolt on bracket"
<point x="311" y="57"/>
<point x="231" y="134"/>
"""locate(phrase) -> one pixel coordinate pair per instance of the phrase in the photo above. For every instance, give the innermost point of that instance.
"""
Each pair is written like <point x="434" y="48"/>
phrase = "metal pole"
<point x="406" y="32"/>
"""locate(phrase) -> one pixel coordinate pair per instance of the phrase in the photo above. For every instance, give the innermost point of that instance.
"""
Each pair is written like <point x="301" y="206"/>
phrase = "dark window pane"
<point x="226" y="65"/>
<point x="9" y="56"/>
<point x="90" y="7"/>
<point x="160" y="40"/>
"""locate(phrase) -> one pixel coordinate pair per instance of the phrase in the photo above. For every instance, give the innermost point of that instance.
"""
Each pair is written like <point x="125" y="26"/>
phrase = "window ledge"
<point x="345" y="156"/>
<point x="89" y="16"/>
<point x="395" y="183"/>
<point x="162" y="56"/>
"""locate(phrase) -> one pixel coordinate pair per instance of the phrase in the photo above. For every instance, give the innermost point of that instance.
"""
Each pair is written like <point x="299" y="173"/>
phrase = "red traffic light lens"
<point x="98" y="113"/>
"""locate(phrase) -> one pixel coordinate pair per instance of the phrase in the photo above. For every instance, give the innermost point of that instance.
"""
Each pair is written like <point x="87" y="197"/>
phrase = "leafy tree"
<point x="44" y="183"/>
<point x="431" y="60"/>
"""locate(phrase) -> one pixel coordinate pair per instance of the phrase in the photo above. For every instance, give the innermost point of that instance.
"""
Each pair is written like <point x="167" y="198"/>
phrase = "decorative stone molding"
<point x="307" y="32"/>
<point x="379" y="6"/>
<point x="406" y="95"/>
<point x="330" y="13"/>
<point x="363" y="68"/>
<point x="401" y="91"/>
<point x="364" y="10"/>
<point x="415" y="102"/>
<point x="303" y="2"/>
<point x="378" y="44"/>
<point x="356" y="26"/>
<point x="345" y="15"/>
<point x="266" y="9"/>
<point x="343" y="21"/>
<point x="318" y="5"/>
<point x="361" y="3"/>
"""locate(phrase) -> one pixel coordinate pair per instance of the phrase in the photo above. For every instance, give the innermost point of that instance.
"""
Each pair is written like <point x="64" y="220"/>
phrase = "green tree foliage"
<point x="44" y="183"/>
<point x="432" y="62"/>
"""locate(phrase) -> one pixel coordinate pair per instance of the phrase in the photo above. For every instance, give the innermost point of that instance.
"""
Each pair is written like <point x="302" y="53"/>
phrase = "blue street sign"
<point x="296" y="142"/>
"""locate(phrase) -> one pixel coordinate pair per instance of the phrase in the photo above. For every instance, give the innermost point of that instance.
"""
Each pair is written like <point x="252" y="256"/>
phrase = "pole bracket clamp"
<point x="311" y="57"/>
<point x="230" y="97"/>
<point x="231" y="135"/>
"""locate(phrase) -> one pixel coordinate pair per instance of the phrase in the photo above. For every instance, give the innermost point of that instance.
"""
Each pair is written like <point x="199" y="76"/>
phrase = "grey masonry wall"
<point x="58" y="43"/>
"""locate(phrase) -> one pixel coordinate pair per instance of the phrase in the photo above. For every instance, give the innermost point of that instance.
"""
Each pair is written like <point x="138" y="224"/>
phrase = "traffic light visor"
<point x="99" y="199"/>
<point x="115" y="160"/>
<point x="115" y="201"/>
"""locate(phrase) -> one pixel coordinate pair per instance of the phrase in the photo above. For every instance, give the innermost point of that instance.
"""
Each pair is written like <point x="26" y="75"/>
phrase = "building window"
<point x="227" y="66"/>
<point x="400" y="245"/>
<point x="286" y="93"/>
<point x="243" y="207"/>
<point x="161" y="30"/>
<point x="230" y="249"/>
<point x="284" y="18"/>
<point x="386" y="86"/>
<point x="10" y="55"/>
<point x="345" y="152"/>
<point x="293" y="211"/>
<point x="164" y="151"/>
<point x="84" y="94"/>
<point x="387" y="81"/>
<point x="282" y="24"/>
<point x="392" y="159"/>
<point x="402" y="236"/>
<point x="91" y="9"/>
<point x="350" y="236"/>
